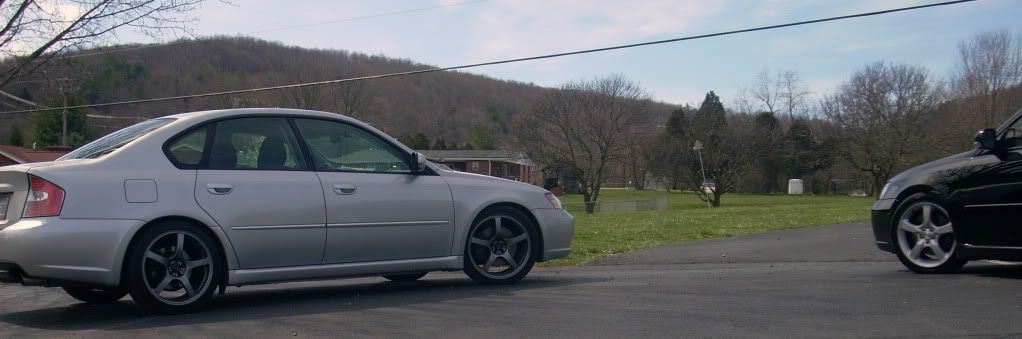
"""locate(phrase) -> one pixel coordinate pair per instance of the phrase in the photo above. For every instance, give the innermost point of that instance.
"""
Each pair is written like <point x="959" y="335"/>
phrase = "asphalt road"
<point x="825" y="281"/>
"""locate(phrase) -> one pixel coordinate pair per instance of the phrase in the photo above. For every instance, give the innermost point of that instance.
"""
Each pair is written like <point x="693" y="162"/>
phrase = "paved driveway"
<point x="824" y="281"/>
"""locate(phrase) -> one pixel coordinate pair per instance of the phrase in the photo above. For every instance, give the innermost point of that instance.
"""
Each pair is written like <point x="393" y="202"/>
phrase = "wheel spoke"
<point x="917" y="250"/>
<point x="180" y="244"/>
<point x="937" y="251"/>
<point x="489" y="262"/>
<point x="480" y="242"/>
<point x="496" y="227"/>
<point x="943" y="229"/>
<point x="162" y="285"/>
<point x="198" y="263"/>
<point x="517" y="239"/>
<point x="909" y="227"/>
<point x="188" y="286"/>
<point x="157" y="258"/>
<point x="927" y="215"/>
<point x="510" y="261"/>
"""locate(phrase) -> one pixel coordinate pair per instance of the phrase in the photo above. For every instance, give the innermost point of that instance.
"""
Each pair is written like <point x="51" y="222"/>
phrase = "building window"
<point x="475" y="166"/>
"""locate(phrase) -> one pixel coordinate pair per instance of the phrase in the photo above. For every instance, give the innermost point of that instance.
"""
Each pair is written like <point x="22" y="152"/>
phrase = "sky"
<point x="454" y="32"/>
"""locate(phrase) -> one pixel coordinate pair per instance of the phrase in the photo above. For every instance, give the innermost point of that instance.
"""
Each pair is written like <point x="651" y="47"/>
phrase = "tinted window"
<point x="254" y="143"/>
<point x="188" y="149"/>
<point x="337" y="146"/>
<point x="1013" y="135"/>
<point x="111" y="142"/>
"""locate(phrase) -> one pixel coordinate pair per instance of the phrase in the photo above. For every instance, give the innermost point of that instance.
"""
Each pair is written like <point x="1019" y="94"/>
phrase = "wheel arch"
<point x="208" y="230"/>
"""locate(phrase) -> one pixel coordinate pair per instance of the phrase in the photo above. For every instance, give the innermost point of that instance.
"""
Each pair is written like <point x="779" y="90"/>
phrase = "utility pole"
<point x="63" y="118"/>
<point x="698" y="147"/>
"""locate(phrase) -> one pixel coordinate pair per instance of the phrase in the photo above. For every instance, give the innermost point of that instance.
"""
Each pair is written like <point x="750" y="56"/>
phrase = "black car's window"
<point x="336" y="146"/>
<point x="188" y="149"/>
<point x="111" y="142"/>
<point x="1012" y="137"/>
<point x="254" y="143"/>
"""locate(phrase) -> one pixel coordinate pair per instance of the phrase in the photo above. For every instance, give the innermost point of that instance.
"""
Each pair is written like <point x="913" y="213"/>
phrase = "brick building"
<point x="13" y="155"/>
<point x="497" y="163"/>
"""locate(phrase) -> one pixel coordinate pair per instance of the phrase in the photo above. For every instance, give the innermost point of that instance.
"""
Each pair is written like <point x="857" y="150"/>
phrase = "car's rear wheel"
<point x="96" y="295"/>
<point x="925" y="237"/>
<point x="405" y="277"/>
<point x="173" y="267"/>
<point x="499" y="248"/>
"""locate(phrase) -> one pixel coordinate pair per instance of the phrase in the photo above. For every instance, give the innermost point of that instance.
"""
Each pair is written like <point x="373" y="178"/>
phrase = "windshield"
<point x="115" y="140"/>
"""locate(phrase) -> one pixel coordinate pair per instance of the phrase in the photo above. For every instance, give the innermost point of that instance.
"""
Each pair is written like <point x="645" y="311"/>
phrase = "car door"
<point x="991" y="194"/>
<point x="257" y="186"/>
<point x="376" y="207"/>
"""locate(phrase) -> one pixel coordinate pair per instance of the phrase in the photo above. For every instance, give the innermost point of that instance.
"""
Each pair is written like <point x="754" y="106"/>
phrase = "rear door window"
<point x="255" y="144"/>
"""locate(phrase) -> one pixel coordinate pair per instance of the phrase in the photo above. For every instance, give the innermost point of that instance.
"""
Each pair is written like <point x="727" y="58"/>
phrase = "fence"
<point x="659" y="203"/>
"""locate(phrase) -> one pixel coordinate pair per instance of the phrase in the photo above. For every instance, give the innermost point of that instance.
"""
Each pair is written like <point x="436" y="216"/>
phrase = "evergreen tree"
<point x="483" y="136"/>
<point x="440" y="144"/>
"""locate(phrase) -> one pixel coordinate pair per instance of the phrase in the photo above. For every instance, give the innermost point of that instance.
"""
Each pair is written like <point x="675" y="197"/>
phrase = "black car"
<point x="968" y="206"/>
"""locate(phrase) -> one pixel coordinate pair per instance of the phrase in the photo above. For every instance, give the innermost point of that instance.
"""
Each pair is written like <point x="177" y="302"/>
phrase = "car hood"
<point x="952" y="161"/>
<point x="480" y="179"/>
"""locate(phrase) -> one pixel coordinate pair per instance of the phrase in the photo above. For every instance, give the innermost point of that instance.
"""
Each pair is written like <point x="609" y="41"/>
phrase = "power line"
<point x="347" y="19"/>
<point x="505" y="61"/>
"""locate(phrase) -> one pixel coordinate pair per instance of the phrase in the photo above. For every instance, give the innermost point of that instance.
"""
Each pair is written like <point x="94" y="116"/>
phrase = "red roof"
<point x="25" y="155"/>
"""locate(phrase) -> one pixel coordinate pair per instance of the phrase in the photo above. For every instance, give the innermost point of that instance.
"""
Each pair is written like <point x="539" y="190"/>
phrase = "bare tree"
<point x="879" y="117"/>
<point x="987" y="66"/>
<point x="793" y="96"/>
<point x="35" y="31"/>
<point x="785" y="94"/>
<point x="764" y="91"/>
<point x="580" y="128"/>
<point x="351" y="98"/>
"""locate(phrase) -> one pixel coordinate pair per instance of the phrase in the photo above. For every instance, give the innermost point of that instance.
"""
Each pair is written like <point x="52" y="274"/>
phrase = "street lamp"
<point x="698" y="147"/>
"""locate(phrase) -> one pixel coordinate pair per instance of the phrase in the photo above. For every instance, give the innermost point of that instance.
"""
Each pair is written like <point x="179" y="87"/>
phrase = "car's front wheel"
<point x="500" y="248"/>
<point x="173" y="268"/>
<point x="96" y="295"/>
<point x="925" y="237"/>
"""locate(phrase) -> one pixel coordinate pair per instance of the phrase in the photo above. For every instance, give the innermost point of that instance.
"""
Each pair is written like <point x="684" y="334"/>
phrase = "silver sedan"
<point x="172" y="209"/>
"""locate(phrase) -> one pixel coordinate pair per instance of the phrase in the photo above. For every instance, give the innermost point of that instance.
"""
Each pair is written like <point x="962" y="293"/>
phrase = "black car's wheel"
<point x="925" y="237"/>
<point x="172" y="268"/>
<point x="500" y="246"/>
<point x="96" y="295"/>
<point x="405" y="277"/>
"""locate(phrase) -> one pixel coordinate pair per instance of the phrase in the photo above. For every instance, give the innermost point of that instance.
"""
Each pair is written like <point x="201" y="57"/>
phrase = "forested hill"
<point x="445" y="104"/>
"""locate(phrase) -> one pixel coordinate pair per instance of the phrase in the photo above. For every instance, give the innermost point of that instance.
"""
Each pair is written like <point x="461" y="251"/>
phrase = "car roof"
<point x="222" y="113"/>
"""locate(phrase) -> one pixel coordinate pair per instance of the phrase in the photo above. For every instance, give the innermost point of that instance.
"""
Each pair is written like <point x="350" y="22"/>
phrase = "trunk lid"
<point x="13" y="193"/>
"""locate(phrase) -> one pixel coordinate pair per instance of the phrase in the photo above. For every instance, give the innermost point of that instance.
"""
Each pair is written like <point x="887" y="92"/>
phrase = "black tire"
<point x="405" y="277"/>
<point x="137" y="266"/>
<point x="96" y="295"/>
<point x="474" y="253"/>
<point x="907" y="210"/>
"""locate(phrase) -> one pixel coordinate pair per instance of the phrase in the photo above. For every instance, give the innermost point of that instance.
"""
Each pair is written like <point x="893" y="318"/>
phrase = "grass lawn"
<point x="606" y="233"/>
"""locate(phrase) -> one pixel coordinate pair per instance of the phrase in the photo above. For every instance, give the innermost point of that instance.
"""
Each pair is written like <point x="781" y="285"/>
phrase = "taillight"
<point x="554" y="202"/>
<point x="44" y="198"/>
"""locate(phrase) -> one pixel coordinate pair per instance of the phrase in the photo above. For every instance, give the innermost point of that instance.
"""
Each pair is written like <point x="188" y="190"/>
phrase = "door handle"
<point x="219" y="189"/>
<point x="345" y="189"/>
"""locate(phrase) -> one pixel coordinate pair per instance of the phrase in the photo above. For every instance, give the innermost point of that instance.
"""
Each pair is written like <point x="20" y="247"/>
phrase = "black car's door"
<point x="990" y="194"/>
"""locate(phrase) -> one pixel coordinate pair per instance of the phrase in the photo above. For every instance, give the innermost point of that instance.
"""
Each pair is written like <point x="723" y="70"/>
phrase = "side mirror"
<point x="986" y="139"/>
<point x="418" y="162"/>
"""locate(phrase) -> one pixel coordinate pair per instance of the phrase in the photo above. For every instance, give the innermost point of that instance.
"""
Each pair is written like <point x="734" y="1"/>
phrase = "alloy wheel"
<point x="925" y="235"/>
<point x="177" y="268"/>
<point x="499" y="247"/>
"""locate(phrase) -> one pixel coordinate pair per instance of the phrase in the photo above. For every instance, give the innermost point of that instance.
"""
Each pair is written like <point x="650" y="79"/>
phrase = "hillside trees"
<point x="580" y="128"/>
<point x="34" y="31"/>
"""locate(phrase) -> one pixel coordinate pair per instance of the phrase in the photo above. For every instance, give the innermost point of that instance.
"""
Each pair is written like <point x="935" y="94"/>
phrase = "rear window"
<point x="111" y="142"/>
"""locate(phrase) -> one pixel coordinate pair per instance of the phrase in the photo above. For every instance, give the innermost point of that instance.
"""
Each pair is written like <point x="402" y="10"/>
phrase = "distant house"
<point x="13" y="155"/>
<point x="497" y="163"/>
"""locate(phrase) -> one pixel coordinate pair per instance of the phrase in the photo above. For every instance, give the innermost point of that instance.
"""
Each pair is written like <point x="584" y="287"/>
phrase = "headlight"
<point x="889" y="192"/>
<point x="554" y="202"/>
